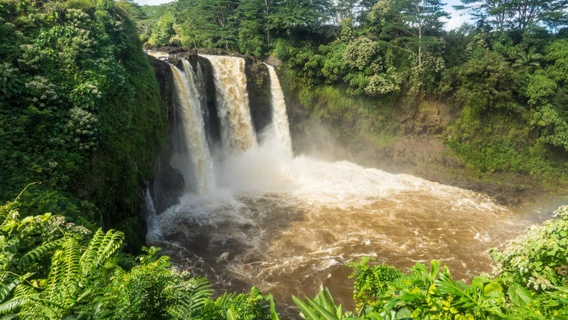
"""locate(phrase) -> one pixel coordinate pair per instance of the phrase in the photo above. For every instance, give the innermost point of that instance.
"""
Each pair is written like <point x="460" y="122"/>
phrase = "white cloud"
<point x="457" y="18"/>
<point x="152" y="2"/>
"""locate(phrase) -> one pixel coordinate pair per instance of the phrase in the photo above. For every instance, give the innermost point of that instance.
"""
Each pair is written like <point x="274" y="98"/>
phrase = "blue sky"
<point x="455" y="21"/>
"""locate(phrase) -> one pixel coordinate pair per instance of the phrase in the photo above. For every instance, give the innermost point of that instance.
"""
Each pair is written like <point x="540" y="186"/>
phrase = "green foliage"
<point x="531" y="283"/>
<point x="538" y="260"/>
<point x="251" y="306"/>
<point x="520" y="16"/>
<point x="163" y="33"/>
<point x="370" y="282"/>
<point x="321" y="307"/>
<point x="51" y="269"/>
<point x="80" y="109"/>
<point x="151" y="290"/>
<point x="487" y="82"/>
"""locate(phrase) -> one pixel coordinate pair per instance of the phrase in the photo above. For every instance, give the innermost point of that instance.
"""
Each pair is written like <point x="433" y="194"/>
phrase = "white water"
<point x="194" y="164"/>
<point x="232" y="102"/>
<point x="151" y="217"/>
<point x="289" y="225"/>
<point x="279" y="116"/>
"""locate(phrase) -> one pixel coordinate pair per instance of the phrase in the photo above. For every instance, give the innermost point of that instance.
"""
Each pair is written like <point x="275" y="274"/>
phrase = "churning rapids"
<point x="289" y="224"/>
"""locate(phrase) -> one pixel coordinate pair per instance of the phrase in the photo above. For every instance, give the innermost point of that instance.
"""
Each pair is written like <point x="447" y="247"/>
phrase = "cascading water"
<point x="232" y="102"/>
<point x="151" y="217"/>
<point x="279" y="116"/>
<point x="290" y="225"/>
<point x="194" y="163"/>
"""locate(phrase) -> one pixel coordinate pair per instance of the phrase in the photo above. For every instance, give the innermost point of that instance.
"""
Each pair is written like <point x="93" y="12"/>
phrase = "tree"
<point x="298" y="17"/>
<point x="207" y="23"/>
<point x="414" y="27"/>
<point x="163" y="31"/>
<point x="521" y="15"/>
<point x="253" y="32"/>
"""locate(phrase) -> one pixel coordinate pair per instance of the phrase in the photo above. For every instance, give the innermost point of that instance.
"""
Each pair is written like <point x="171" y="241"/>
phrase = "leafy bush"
<point x="531" y="283"/>
<point x="538" y="260"/>
<point x="52" y="269"/>
<point x="79" y="109"/>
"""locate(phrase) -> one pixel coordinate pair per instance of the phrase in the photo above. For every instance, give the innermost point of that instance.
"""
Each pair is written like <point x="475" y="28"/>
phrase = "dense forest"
<point x="502" y="76"/>
<point x="81" y="121"/>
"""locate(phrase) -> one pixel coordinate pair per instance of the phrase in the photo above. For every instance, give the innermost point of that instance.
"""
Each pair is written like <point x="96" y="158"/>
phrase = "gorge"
<point x="253" y="213"/>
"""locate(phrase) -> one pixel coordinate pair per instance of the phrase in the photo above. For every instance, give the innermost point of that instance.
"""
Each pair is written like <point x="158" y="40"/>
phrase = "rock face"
<point x="258" y="84"/>
<point x="167" y="182"/>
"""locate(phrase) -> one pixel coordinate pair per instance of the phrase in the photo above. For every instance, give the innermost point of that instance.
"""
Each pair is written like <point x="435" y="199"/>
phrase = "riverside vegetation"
<point x="80" y="113"/>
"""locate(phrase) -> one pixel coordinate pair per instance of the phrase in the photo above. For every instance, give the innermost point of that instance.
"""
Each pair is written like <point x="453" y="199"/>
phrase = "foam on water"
<point x="290" y="224"/>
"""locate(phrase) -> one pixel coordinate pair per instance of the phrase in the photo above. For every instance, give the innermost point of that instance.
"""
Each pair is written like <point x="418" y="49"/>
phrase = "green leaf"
<point x="519" y="295"/>
<point x="493" y="289"/>
<point x="231" y="315"/>
<point x="305" y="309"/>
<point x="404" y="313"/>
<point x="273" y="314"/>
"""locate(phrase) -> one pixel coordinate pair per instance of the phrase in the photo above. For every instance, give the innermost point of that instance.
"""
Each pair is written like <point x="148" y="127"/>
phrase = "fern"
<point x="89" y="256"/>
<point x="13" y="305"/>
<point x="40" y="251"/>
<point x="100" y="248"/>
<point x="72" y="276"/>
<point x="8" y="281"/>
<point x="188" y="297"/>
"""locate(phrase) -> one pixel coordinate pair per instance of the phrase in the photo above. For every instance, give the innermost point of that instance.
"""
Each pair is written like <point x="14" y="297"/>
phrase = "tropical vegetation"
<point x="54" y="269"/>
<point x="80" y="110"/>
<point x="81" y="121"/>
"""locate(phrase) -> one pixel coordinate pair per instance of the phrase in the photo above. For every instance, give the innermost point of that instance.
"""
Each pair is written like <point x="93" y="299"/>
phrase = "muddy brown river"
<point x="290" y="225"/>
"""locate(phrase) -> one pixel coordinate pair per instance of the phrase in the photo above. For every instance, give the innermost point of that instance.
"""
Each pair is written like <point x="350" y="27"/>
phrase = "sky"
<point x="454" y="22"/>
<point x="152" y="2"/>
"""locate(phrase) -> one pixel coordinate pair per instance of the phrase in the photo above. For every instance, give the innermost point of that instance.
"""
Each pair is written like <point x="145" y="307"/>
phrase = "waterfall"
<point x="279" y="116"/>
<point x="237" y="132"/>
<point x="286" y="224"/>
<point x="151" y="216"/>
<point x="195" y="164"/>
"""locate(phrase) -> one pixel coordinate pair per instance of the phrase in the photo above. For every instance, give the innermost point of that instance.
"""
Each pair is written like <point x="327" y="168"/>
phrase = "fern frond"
<point x="189" y="297"/>
<point x="8" y="281"/>
<point x="89" y="255"/>
<point x="101" y="247"/>
<point x="12" y="305"/>
<point x="70" y="282"/>
<point x="38" y="308"/>
<point x="112" y="242"/>
<point x="39" y="252"/>
<point x="24" y="290"/>
<point x="54" y="274"/>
